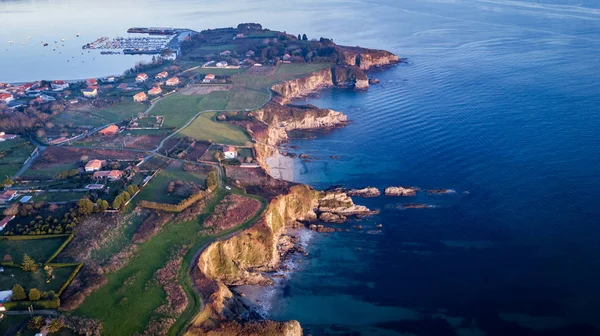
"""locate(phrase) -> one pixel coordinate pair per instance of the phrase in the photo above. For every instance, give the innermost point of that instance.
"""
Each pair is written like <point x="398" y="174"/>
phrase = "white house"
<point x="140" y="78"/>
<point x="59" y="85"/>
<point x="221" y="64"/>
<point x="229" y="152"/>
<point x="6" y="97"/>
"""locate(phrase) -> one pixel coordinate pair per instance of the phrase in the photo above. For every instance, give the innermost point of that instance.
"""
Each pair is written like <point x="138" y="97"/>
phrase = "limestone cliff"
<point x="276" y="120"/>
<point x="346" y="76"/>
<point x="240" y="259"/>
<point x="222" y="310"/>
<point x="366" y="59"/>
<point x="303" y="86"/>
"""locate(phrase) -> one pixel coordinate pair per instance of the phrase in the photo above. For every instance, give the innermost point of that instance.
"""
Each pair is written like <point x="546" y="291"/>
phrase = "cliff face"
<point x="304" y="86"/>
<point x="240" y="259"/>
<point x="366" y="59"/>
<point x="347" y="76"/>
<point x="280" y="119"/>
<point x="222" y="310"/>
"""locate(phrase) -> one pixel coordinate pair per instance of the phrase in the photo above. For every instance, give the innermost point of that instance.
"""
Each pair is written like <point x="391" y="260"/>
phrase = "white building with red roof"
<point x="6" y="97"/>
<point x="142" y="77"/>
<point x="59" y="85"/>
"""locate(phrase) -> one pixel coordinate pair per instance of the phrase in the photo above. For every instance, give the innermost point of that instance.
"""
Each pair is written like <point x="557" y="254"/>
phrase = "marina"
<point x="132" y="45"/>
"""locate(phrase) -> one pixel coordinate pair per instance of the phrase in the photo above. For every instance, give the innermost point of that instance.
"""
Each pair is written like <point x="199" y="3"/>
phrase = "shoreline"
<point x="262" y="299"/>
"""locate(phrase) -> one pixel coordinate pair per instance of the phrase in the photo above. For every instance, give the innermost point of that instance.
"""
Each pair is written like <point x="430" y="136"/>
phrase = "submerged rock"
<point x="416" y="206"/>
<point x="401" y="191"/>
<point x="441" y="191"/>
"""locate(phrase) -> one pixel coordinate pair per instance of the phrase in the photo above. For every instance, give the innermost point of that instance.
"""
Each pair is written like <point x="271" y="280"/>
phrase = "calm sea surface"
<point x="499" y="101"/>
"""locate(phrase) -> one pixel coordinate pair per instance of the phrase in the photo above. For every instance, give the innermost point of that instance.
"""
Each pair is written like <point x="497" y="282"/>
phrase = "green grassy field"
<point x="14" y="275"/>
<point x="78" y="118"/>
<point x="12" y="155"/>
<point x="120" y="111"/>
<point x="244" y="98"/>
<point x="282" y="73"/>
<point x="39" y="249"/>
<point x="126" y="309"/>
<point x="299" y="69"/>
<point x="245" y="152"/>
<point x="205" y="128"/>
<point x="216" y="100"/>
<point x="177" y="109"/>
<point x="10" y="324"/>
<point x="60" y="196"/>
<point x="218" y="71"/>
<point x="48" y="172"/>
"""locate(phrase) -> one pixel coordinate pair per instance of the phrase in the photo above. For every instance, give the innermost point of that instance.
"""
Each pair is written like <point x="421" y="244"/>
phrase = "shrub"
<point x="85" y="207"/>
<point x="34" y="294"/>
<point x="28" y="264"/>
<point x="22" y="305"/>
<point x="212" y="181"/>
<point x="36" y="323"/>
<point x="174" y="207"/>
<point x="18" y="293"/>
<point x="8" y="182"/>
<point x="55" y="325"/>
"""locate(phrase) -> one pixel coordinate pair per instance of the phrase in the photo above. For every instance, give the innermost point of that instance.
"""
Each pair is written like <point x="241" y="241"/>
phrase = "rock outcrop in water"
<point x="242" y="258"/>
<point x="401" y="191"/>
<point x="364" y="192"/>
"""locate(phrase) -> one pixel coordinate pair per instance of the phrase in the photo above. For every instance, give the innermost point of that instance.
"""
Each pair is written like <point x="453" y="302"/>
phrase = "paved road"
<point x="35" y="312"/>
<point x="26" y="166"/>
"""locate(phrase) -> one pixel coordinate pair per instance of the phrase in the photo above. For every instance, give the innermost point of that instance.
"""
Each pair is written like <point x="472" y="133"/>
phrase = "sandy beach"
<point x="281" y="167"/>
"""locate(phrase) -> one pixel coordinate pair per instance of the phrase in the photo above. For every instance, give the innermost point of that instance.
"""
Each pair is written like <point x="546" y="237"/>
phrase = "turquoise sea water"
<point x="499" y="99"/>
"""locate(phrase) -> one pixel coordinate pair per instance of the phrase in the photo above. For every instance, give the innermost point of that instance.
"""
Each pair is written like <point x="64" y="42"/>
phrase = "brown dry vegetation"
<point x="126" y="141"/>
<point x="176" y="301"/>
<point x="89" y="279"/>
<point x="120" y="259"/>
<point x="232" y="211"/>
<point x="58" y="155"/>
<point x="257" y="181"/>
<point x="151" y="226"/>
<point x="92" y="234"/>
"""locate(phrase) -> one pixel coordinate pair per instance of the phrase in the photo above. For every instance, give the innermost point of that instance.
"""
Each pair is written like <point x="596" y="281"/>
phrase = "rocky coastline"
<point x="244" y="258"/>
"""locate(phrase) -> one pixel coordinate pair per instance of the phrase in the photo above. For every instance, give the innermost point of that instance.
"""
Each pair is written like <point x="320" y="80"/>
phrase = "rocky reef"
<point x="401" y="191"/>
<point x="364" y="192"/>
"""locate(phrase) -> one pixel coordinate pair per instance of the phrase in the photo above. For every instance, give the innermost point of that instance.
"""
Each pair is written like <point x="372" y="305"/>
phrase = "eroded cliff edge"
<point x="349" y="73"/>
<point x="243" y="258"/>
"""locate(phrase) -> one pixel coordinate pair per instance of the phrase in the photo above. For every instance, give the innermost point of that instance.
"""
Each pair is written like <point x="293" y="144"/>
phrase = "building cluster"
<point x="10" y="95"/>
<point x="95" y="167"/>
<point x="156" y="90"/>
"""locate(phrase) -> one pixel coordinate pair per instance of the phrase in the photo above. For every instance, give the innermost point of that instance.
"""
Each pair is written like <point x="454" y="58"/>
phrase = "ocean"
<point x="498" y="100"/>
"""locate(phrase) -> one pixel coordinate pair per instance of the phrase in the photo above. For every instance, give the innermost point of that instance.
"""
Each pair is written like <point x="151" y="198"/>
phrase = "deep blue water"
<point x="500" y="102"/>
<point x="499" y="98"/>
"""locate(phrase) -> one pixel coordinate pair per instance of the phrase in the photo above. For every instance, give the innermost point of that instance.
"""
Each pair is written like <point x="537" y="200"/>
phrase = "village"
<point x="158" y="143"/>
